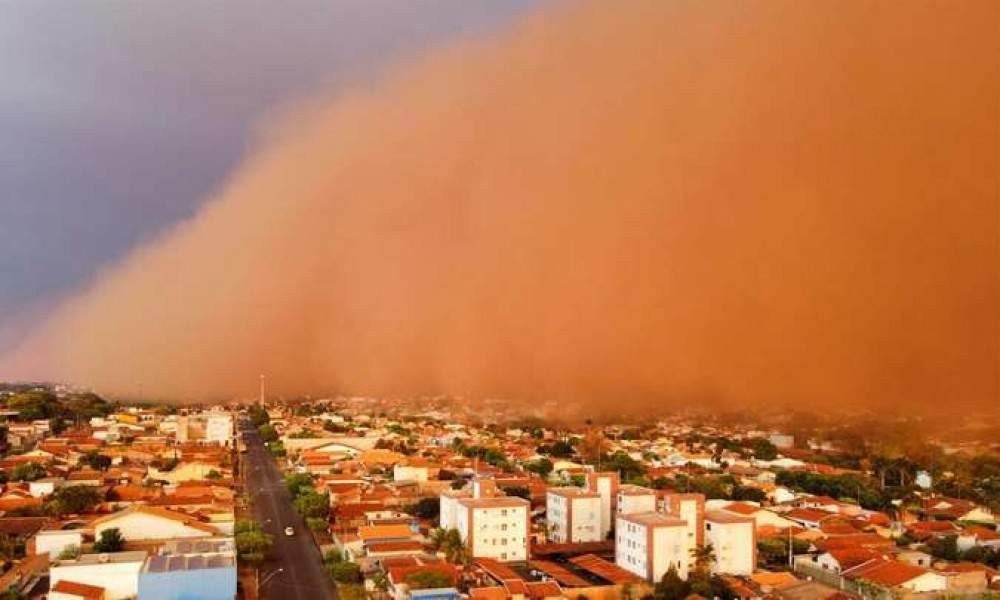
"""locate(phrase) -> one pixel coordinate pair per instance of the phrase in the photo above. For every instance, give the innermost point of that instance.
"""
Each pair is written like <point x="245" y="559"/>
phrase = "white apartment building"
<point x="691" y="509"/>
<point x="734" y="540"/>
<point x="573" y="515"/>
<point x="449" y="507"/>
<point x="634" y="499"/>
<point x="208" y="428"/>
<point x="606" y="484"/>
<point x="491" y="524"/>
<point x="495" y="527"/>
<point x="649" y="543"/>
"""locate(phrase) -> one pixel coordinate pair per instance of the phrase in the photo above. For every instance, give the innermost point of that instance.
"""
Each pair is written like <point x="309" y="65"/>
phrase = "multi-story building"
<point x="649" y="543"/>
<point x="491" y="524"/>
<point x="573" y="515"/>
<point x="606" y="484"/>
<point x="635" y="499"/>
<point x="733" y="538"/>
<point x="691" y="509"/>
<point x="207" y="428"/>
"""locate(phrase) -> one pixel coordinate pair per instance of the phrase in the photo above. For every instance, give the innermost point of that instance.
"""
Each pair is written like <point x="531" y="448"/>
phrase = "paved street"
<point x="304" y="575"/>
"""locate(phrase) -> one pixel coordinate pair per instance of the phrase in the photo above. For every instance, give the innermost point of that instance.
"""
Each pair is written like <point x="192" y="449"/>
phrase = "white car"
<point x="289" y="531"/>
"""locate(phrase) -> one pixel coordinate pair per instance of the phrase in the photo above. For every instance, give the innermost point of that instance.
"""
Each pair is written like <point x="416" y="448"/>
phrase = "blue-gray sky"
<point x="119" y="118"/>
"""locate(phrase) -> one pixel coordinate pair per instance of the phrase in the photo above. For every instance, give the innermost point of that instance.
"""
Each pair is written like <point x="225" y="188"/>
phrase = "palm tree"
<point x="704" y="557"/>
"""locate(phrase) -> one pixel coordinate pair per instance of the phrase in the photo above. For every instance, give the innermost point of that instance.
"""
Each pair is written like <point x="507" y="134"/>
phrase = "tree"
<point x="213" y="474"/>
<point x="96" y="460"/>
<point x="28" y="472"/>
<point x="258" y="416"/>
<point x="426" y="508"/>
<point x="671" y="586"/>
<point x="252" y="544"/>
<point x="449" y="541"/>
<point x="111" y="540"/>
<point x="316" y="524"/>
<point x="312" y="505"/>
<point x="518" y="490"/>
<point x="70" y="552"/>
<point x="560" y="449"/>
<point x="752" y="494"/>
<point x="351" y="591"/>
<point x="704" y="557"/>
<point x="763" y="449"/>
<point x="425" y="580"/>
<point x="73" y="499"/>
<point x="345" y="572"/>
<point x="542" y="466"/>
<point x="458" y="484"/>
<point x="945" y="548"/>
<point x="298" y="483"/>
<point x="268" y="433"/>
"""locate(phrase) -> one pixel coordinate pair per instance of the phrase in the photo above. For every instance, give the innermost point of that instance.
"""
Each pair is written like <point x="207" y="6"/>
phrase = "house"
<point x="977" y="535"/>
<point x="403" y="575"/>
<point x="573" y="515"/>
<point x="810" y="518"/>
<point x="940" y="508"/>
<point x="116" y="573"/>
<point x="55" y="541"/>
<point x="142" y="522"/>
<point x="896" y="576"/>
<point x="45" y="486"/>
<point x="761" y="516"/>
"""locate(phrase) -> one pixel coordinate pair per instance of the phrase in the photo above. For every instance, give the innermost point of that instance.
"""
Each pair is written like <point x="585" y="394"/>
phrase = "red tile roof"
<point x="602" y="568"/>
<point x="72" y="588"/>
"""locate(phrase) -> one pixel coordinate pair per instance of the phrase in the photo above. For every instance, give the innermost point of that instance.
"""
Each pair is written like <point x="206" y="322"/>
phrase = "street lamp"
<point x="270" y="575"/>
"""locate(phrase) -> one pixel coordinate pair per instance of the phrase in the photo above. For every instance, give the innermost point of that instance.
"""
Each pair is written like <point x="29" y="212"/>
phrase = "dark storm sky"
<point x="119" y="118"/>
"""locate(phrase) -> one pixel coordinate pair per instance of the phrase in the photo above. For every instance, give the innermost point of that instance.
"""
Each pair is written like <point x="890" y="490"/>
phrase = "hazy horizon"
<point x="770" y="203"/>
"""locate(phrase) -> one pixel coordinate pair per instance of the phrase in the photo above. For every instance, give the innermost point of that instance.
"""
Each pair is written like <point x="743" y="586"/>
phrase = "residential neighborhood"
<point x="365" y="498"/>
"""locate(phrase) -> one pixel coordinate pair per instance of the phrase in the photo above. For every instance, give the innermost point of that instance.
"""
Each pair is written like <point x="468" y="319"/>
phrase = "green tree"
<point x="345" y="572"/>
<point x="95" y="460"/>
<point x="28" y="472"/>
<point x="312" y="505"/>
<point x="258" y="416"/>
<point x="542" y="466"/>
<point x="268" y="433"/>
<point x="426" y="508"/>
<point x="73" y="499"/>
<point x="763" y="449"/>
<point x="111" y="540"/>
<point x="299" y="483"/>
<point x="518" y="490"/>
<point x="671" y="586"/>
<point x="252" y="544"/>
<point x="424" y="580"/>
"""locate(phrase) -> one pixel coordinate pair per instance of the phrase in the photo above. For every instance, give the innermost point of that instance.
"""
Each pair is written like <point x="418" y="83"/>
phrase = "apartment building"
<point x="574" y="515"/>
<point x="734" y="540"/>
<point x="491" y="524"/>
<point x="634" y="499"/>
<point x="648" y="544"/>
<point x="206" y="428"/>
<point x="605" y="484"/>
<point x="690" y="508"/>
